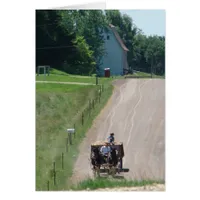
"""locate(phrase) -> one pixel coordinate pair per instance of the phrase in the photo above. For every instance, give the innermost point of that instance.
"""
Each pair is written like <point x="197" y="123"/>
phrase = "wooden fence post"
<point x="47" y="185"/>
<point x="66" y="144"/>
<point x="62" y="160"/>
<point x="82" y="118"/>
<point x="99" y="97"/>
<point x="54" y="173"/>
<point x="96" y="80"/>
<point x="93" y="103"/>
<point x="100" y="90"/>
<point x="89" y="108"/>
<point x="70" y="138"/>
<point x="74" y="131"/>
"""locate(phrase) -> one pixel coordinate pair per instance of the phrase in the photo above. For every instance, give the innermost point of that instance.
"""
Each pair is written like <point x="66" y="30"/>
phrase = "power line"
<point x="41" y="25"/>
<point x="61" y="21"/>
<point x="58" y="22"/>
<point x="56" y="47"/>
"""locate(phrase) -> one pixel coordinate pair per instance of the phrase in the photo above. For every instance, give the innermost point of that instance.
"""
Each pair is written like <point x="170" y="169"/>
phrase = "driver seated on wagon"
<point x="105" y="150"/>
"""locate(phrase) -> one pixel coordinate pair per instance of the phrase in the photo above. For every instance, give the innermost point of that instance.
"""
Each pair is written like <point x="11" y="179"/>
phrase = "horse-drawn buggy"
<point x="107" y="161"/>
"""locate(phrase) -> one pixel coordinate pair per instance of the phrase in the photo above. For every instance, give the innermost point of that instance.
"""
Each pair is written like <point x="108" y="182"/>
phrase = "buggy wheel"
<point x="113" y="171"/>
<point x="108" y="171"/>
<point x="96" y="172"/>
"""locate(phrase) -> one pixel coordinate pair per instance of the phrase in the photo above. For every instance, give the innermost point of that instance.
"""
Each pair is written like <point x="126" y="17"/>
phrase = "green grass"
<point x="54" y="87"/>
<point x="58" y="72"/>
<point x="93" y="184"/>
<point x="58" y="107"/>
<point x="147" y="74"/>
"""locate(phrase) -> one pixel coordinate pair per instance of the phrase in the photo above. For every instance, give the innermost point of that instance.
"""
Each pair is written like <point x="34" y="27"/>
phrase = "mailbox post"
<point x="70" y="131"/>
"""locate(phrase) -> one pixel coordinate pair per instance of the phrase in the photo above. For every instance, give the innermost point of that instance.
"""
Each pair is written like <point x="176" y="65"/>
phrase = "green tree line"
<point x="71" y="41"/>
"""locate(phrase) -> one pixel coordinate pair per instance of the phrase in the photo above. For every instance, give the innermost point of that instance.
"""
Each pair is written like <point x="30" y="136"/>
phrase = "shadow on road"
<point x="118" y="177"/>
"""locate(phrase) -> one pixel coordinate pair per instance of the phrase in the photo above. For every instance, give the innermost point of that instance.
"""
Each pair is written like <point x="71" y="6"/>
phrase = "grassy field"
<point x="54" y="87"/>
<point x="93" y="184"/>
<point x="63" y="78"/>
<point x="58" y="107"/>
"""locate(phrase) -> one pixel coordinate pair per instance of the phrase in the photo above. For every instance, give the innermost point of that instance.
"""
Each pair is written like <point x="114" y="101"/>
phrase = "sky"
<point x="152" y="22"/>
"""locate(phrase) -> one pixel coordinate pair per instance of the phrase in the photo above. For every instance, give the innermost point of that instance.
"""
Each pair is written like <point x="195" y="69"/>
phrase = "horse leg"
<point x="97" y="171"/>
<point x="94" y="171"/>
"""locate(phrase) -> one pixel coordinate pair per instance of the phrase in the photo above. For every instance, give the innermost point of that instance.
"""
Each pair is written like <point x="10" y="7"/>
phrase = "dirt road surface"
<point x="136" y="114"/>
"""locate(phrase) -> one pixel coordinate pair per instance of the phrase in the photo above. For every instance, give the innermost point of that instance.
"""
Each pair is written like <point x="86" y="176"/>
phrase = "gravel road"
<point x="136" y="114"/>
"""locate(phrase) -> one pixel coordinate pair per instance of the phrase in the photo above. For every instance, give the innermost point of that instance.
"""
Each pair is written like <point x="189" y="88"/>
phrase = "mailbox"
<point x="70" y="130"/>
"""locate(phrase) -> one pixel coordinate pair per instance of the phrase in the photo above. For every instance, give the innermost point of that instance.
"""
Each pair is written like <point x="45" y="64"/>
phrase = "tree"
<point x="53" y="42"/>
<point x="62" y="35"/>
<point x="72" y="40"/>
<point x="85" y="59"/>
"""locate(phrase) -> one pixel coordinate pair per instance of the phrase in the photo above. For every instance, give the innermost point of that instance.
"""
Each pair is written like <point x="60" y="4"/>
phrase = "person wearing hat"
<point x="105" y="150"/>
<point x="111" y="138"/>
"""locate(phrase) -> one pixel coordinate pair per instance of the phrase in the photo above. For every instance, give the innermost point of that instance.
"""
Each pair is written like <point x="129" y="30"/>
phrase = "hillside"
<point x="58" y="107"/>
